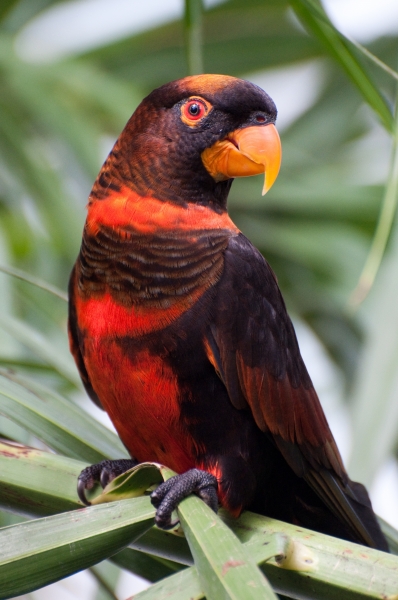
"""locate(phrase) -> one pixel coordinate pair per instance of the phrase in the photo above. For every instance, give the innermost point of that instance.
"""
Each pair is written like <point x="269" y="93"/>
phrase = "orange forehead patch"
<point x="200" y="84"/>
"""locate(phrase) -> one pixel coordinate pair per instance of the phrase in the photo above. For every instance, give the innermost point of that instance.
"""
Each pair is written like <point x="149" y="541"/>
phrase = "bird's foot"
<point x="169" y="494"/>
<point x="102" y="472"/>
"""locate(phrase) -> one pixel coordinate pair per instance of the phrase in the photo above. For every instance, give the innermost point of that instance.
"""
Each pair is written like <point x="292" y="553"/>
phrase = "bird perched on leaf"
<point x="178" y="327"/>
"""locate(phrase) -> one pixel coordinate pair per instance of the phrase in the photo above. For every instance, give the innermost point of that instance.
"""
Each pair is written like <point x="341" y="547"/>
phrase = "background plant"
<point x="316" y="226"/>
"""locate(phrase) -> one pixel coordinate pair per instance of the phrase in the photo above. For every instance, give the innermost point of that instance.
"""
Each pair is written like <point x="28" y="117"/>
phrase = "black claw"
<point x="105" y="477"/>
<point x="81" y="489"/>
<point x="162" y="490"/>
<point x="169" y="494"/>
<point x="102" y="472"/>
<point x="209" y="496"/>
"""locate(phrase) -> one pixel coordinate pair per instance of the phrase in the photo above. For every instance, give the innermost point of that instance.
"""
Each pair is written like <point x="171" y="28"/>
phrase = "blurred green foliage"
<point x="315" y="227"/>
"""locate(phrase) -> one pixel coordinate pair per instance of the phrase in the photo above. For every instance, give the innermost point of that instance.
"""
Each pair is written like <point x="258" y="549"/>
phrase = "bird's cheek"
<point x="246" y="152"/>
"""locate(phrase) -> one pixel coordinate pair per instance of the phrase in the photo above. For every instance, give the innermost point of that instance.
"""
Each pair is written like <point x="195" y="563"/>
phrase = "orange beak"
<point x="246" y="152"/>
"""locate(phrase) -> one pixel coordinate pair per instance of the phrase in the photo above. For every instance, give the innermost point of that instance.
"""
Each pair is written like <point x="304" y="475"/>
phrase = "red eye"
<point x="194" y="110"/>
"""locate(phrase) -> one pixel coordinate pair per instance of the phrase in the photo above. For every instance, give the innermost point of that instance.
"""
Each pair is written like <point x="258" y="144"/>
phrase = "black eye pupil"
<point x="194" y="109"/>
<point x="260" y="118"/>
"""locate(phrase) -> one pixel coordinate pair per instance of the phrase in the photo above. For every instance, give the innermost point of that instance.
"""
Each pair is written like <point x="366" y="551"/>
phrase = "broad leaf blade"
<point x="224" y="569"/>
<point x="131" y="484"/>
<point x="317" y="565"/>
<point x="311" y="565"/>
<point x="59" y="423"/>
<point x="37" y="483"/>
<point x="186" y="584"/>
<point x="39" y="552"/>
<point x="296" y="560"/>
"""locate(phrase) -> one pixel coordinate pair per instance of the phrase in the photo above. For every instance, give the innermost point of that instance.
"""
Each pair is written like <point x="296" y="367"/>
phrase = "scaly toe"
<point x="102" y="472"/>
<point x="170" y="493"/>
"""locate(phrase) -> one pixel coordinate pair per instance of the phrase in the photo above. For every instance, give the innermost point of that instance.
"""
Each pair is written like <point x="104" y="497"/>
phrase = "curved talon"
<point x="169" y="494"/>
<point x="81" y="489"/>
<point x="105" y="477"/>
<point x="102" y="472"/>
<point x="159" y="494"/>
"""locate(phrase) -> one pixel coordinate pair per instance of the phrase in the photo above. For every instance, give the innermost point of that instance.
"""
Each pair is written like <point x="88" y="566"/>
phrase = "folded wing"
<point x="253" y="347"/>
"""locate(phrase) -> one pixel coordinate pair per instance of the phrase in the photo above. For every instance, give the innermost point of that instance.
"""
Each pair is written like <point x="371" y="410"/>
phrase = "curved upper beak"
<point x="246" y="152"/>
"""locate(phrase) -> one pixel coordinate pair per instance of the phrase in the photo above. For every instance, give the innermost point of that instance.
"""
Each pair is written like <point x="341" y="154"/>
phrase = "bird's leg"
<point x="169" y="494"/>
<point x="102" y="472"/>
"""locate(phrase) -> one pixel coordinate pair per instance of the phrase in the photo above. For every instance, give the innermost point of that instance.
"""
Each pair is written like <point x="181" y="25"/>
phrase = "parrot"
<point x="180" y="332"/>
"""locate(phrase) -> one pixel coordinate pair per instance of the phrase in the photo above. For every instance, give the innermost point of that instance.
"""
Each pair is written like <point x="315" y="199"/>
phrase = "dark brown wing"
<point x="74" y="342"/>
<point x="253" y="347"/>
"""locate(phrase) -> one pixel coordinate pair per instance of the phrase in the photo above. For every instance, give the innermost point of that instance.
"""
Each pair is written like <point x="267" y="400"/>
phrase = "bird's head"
<point x="190" y="138"/>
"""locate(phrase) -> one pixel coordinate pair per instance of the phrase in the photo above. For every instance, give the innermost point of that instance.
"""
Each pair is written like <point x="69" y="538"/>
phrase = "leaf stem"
<point x="193" y="35"/>
<point x="40" y="283"/>
<point x="383" y="229"/>
<point x="373" y="58"/>
<point x="313" y="16"/>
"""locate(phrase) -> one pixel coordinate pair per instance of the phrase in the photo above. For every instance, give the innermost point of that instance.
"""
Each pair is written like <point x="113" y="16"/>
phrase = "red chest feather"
<point x="142" y="265"/>
<point x="141" y="396"/>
